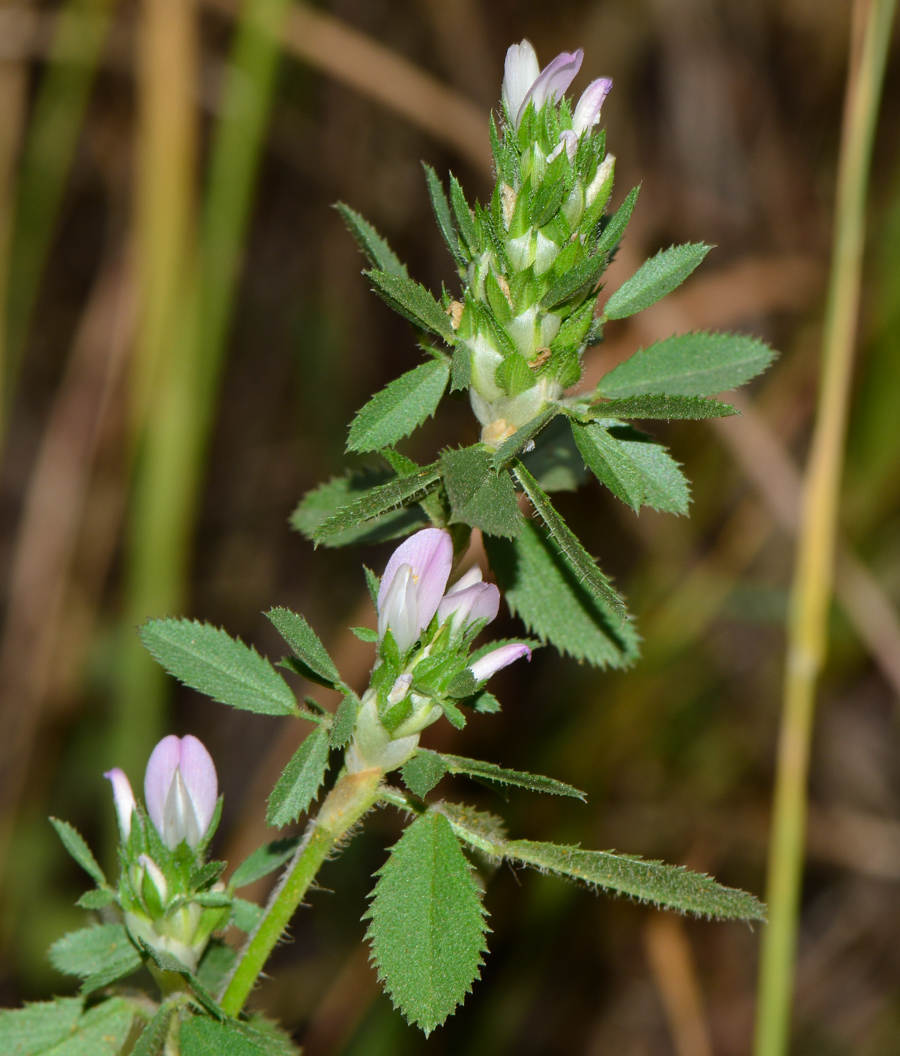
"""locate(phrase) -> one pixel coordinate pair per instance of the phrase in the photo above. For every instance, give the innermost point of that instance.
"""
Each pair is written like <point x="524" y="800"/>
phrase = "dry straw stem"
<point x="811" y="593"/>
<point x="675" y="974"/>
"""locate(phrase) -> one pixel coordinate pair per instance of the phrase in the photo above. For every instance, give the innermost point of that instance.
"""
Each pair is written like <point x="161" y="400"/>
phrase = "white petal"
<point x="520" y="71"/>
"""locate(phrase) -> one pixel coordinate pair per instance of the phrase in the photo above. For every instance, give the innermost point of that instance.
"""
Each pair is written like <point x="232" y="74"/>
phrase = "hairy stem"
<point x="348" y="801"/>
<point x="811" y="592"/>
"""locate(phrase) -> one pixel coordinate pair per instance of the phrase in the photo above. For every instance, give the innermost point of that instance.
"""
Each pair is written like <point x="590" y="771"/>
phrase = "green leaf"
<point x="508" y="450"/>
<point x="75" y="844"/>
<point x="608" y="460"/>
<point x="460" y="369"/>
<point x="576" y="555"/>
<point x="665" y="407"/>
<point x="168" y="962"/>
<point x="442" y="214"/>
<point x="665" y="486"/>
<point x="376" y="249"/>
<point x="344" y="720"/>
<point x="325" y="501"/>
<point x="216" y="965"/>
<point x="421" y="773"/>
<point x="484" y="702"/>
<point x="400" y="408"/>
<point x="465" y="225"/>
<point x="671" y="886"/>
<point x="373" y="584"/>
<point x="543" y="590"/>
<point x="153" y="1036"/>
<point x="264" y="860"/>
<point x="365" y="634"/>
<point x="211" y="661"/>
<point x="246" y="915"/>
<point x="479" y="496"/>
<point x="457" y="764"/>
<point x="427" y="923"/>
<point x="556" y="462"/>
<point x="375" y="503"/>
<point x="201" y="1036"/>
<point x="97" y="898"/>
<point x="514" y="375"/>
<point x="580" y="279"/>
<point x="302" y="778"/>
<point x="306" y="645"/>
<point x="655" y="278"/>
<point x="696" y="364"/>
<point x="103" y="948"/>
<point x="615" y="227"/>
<point x="411" y="300"/>
<point x="38" y="1027"/>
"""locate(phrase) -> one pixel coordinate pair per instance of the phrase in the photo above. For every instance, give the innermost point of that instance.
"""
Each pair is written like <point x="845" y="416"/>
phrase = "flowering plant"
<point x="529" y="264"/>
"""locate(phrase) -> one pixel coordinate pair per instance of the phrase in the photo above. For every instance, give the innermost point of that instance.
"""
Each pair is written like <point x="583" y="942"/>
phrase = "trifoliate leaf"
<point x="374" y="503"/>
<point x="302" y="778"/>
<point x="76" y="845"/>
<point x="105" y="948"/>
<point x="399" y="408"/>
<point x="211" y="661"/>
<point x="655" y="278"/>
<point x="329" y="498"/>
<point x="608" y="460"/>
<point x="663" y="407"/>
<point x="544" y="591"/>
<point x="306" y="645"/>
<point x="376" y="249"/>
<point x="411" y="300"/>
<point x="457" y="764"/>
<point x="442" y="214"/>
<point x="569" y="545"/>
<point x="421" y="773"/>
<point x="264" y="860"/>
<point x="697" y="364"/>
<point x="427" y="923"/>
<point x="479" y="495"/>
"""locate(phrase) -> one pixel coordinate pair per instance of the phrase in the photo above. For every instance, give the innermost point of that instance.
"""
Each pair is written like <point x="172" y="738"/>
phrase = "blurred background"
<point x="185" y="337"/>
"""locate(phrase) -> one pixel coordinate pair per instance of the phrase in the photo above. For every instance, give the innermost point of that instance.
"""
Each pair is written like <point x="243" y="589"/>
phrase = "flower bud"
<point x="498" y="658"/>
<point x="180" y="788"/>
<point x="413" y="584"/>
<point x="123" y="798"/>
<point x="468" y="601"/>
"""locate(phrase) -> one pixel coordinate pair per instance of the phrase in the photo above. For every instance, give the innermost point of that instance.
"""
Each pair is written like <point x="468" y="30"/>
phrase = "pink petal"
<point x="553" y="81"/>
<point x="498" y="658"/>
<point x="587" y="112"/>
<point x="481" y="601"/>
<point x="161" y="767"/>
<point x="199" y="773"/>
<point x="429" y="554"/>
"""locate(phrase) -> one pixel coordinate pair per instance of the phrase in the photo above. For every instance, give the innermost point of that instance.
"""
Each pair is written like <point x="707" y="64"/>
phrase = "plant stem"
<point x="813" y="575"/>
<point x="351" y="797"/>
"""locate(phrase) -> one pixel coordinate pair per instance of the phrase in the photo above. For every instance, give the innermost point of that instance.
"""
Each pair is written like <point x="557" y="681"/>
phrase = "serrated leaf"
<point x="508" y="450"/>
<point x="484" y="702"/>
<point x="103" y="948"/>
<point x="211" y="661"/>
<point x="421" y="773"/>
<point x="479" y="496"/>
<point x="582" y="278"/>
<point x="696" y="364"/>
<point x="373" y="584"/>
<point x="664" y="407"/>
<point x="569" y="545"/>
<point x="411" y="300"/>
<point x="609" y="462"/>
<point x="264" y="860"/>
<point x="465" y="225"/>
<point x="246" y="915"/>
<point x="457" y="764"/>
<point x="665" y="486"/>
<point x="168" y="962"/>
<point x="427" y="923"/>
<point x="442" y="214"/>
<point x="205" y="1037"/>
<point x="655" y="278"/>
<point x="400" y="407"/>
<point x="615" y="227"/>
<point x="325" y="501"/>
<point x="97" y="898"/>
<point x="460" y="370"/>
<point x="375" y="503"/>
<point x="452" y="714"/>
<point x="37" y="1028"/>
<point x="300" y="783"/>
<point x="305" y="644"/>
<point x="153" y="1036"/>
<point x="671" y="886"/>
<point x="77" y="846"/>
<point x="543" y="590"/>
<point x="344" y="720"/>
<point x="376" y="249"/>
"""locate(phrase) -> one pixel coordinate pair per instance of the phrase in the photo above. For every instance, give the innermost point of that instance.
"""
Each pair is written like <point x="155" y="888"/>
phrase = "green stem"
<point x="813" y="575"/>
<point x="351" y="797"/>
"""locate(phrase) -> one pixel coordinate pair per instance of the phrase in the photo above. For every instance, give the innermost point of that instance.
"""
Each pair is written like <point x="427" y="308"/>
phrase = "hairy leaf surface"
<point x="655" y="278"/>
<point x="300" y="783"/>
<point x="377" y="251"/>
<point x="480" y="496"/>
<point x="306" y="645"/>
<point x="400" y="407"/>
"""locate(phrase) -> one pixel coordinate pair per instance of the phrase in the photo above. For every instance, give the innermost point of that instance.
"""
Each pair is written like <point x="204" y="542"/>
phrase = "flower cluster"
<point x="531" y="262"/>
<point x="425" y="631"/>
<point x="168" y="902"/>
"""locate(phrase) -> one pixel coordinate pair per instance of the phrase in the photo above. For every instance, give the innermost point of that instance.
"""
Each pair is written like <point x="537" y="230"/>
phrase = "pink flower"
<point x="123" y="798"/>
<point x="413" y="584"/>
<point x="498" y="658"/>
<point x="524" y="82"/>
<point x="587" y="112"/>
<point x="181" y="789"/>
<point x="469" y="600"/>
